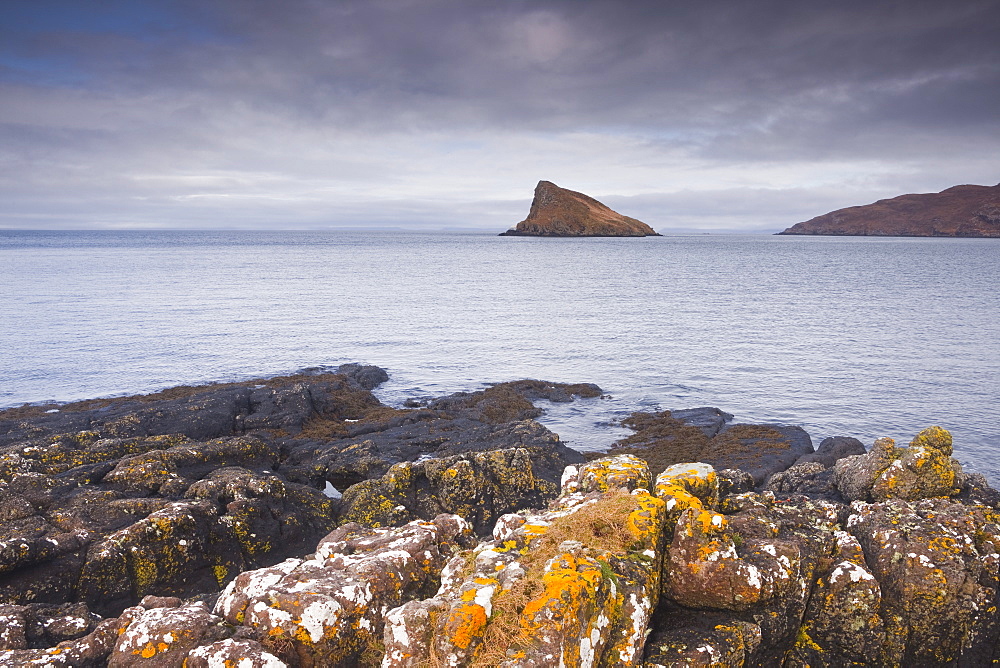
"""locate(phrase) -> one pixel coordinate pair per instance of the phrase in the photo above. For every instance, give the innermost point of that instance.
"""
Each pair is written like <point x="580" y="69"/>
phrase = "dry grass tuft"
<point x="326" y="427"/>
<point x="601" y="526"/>
<point x="372" y="655"/>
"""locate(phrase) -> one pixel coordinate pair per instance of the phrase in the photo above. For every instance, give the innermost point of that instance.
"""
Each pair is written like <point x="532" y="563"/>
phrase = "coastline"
<point x="163" y="512"/>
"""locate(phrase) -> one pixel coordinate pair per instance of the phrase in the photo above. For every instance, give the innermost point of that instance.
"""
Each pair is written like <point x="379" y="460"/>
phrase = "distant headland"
<point x="961" y="211"/>
<point x="557" y="212"/>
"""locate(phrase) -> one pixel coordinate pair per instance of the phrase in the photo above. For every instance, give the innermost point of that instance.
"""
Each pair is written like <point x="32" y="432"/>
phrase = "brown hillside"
<point x="961" y="211"/>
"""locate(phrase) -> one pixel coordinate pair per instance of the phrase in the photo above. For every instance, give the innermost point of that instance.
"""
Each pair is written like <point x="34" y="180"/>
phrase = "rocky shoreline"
<point x="200" y="527"/>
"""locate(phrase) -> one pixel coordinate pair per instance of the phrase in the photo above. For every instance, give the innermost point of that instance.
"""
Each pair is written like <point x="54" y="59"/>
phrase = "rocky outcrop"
<point x="961" y="211"/>
<point x="478" y="486"/>
<point x="572" y="586"/>
<point x="703" y="435"/>
<point x="176" y="517"/>
<point x="557" y="212"/>
<point x="499" y="417"/>
<point x="174" y="494"/>
<point x="330" y="610"/>
<point x="689" y="569"/>
<point x="282" y="404"/>
<point x="115" y="544"/>
<point x="924" y="469"/>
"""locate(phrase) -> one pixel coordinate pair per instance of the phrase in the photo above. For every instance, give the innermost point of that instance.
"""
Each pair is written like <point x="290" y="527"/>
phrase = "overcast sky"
<point x="296" y="114"/>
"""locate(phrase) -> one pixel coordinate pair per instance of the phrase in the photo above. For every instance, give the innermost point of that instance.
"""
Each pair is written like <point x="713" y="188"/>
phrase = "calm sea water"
<point x="863" y="337"/>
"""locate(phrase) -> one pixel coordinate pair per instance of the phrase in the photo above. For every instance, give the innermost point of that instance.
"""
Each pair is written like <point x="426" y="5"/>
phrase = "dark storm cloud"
<point x="559" y="65"/>
<point x="157" y="112"/>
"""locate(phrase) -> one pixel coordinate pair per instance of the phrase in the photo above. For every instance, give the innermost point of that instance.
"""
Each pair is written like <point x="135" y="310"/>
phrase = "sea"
<point x="862" y="337"/>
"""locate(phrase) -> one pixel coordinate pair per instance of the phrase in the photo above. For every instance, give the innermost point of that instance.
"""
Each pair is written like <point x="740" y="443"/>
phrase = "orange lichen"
<point x="465" y="623"/>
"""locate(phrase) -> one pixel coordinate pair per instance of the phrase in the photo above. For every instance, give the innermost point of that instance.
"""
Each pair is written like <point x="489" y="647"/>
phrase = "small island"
<point x="557" y="212"/>
<point x="960" y="211"/>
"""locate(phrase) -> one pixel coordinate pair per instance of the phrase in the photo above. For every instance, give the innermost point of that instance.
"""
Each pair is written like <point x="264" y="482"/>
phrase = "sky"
<point x="444" y="114"/>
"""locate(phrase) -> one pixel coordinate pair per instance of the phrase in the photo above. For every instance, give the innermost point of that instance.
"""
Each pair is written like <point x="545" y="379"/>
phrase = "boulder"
<point x="329" y="610"/>
<point x="367" y="376"/>
<point x="236" y="653"/>
<point x="478" y="486"/>
<point x="810" y="478"/>
<point x="702" y="640"/>
<point x="701" y="435"/>
<point x="737" y="578"/>
<point x="846" y="617"/>
<point x="832" y="449"/>
<point x="165" y="553"/>
<point x="575" y="585"/>
<point x="924" y="469"/>
<point x="708" y="419"/>
<point x="89" y="651"/>
<point x="162" y="637"/>
<point x="40" y="625"/>
<point x="937" y="564"/>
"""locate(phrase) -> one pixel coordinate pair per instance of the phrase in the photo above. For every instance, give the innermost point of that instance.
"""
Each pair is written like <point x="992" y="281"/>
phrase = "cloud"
<point x="307" y="113"/>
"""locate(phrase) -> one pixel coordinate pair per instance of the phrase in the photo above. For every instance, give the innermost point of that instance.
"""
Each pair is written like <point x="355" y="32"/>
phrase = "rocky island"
<point x="202" y="527"/>
<point x="557" y="212"/>
<point x="961" y="211"/>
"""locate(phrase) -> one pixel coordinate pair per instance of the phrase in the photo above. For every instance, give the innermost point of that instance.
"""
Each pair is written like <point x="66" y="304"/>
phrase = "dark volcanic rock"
<point x="40" y="625"/>
<point x="499" y="417"/>
<point x="764" y="579"/>
<point x="701" y="435"/>
<point x="175" y="493"/>
<point x="329" y="609"/>
<point x="810" y="478"/>
<point x="557" y="212"/>
<point x="367" y="376"/>
<point x="760" y="450"/>
<point x="923" y="574"/>
<point x="832" y="449"/>
<point x="753" y="557"/>
<point x="285" y="403"/>
<point x="709" y="420"/>
<point x="961" y="211"/>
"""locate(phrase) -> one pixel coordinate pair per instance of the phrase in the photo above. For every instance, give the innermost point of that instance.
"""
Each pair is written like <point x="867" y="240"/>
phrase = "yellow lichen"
<point x="221" y="573"/>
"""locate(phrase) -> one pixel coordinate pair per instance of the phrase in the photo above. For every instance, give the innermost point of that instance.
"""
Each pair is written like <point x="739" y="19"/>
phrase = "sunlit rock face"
<point x="961" y="211"/>
<point x="557" y="212"/>
<point x="572" y="586"/>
